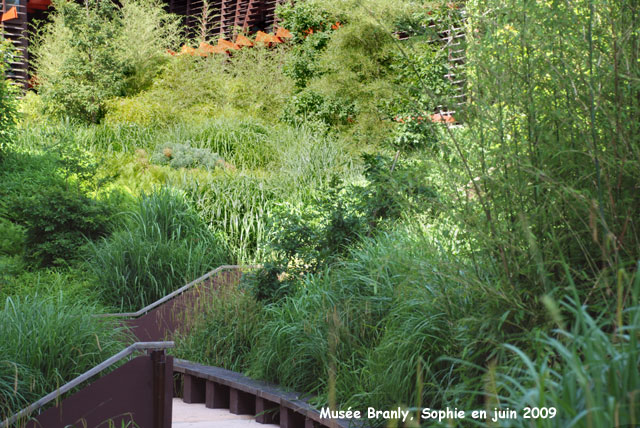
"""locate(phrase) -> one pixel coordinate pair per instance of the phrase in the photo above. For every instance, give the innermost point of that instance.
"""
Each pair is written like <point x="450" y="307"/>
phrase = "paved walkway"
<point x="198" y="416"/>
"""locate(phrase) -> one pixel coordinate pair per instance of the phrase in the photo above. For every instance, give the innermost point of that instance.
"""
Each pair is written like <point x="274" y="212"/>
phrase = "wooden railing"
<point x="174" y="312"/>
<point x="126" y="392"/>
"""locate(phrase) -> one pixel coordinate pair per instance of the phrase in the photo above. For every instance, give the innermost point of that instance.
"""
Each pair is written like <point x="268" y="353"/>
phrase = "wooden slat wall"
<point x="16" y="31"/>
<point x="452" y="39"/>
<point x="233" y="16"/>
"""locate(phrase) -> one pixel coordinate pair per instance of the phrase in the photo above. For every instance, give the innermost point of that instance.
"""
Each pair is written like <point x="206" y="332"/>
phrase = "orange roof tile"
<point x="220" y="50"/>
<point x="243" y="41"/>
<point x="187" y="50"/>
<point x="227" y="44"/>
<point x="205" y="47"/>
<point x="444" y="118"/>
<point x="262" y="37"/>
<point x="10" y="14"/>
<point x="283" y="33"/>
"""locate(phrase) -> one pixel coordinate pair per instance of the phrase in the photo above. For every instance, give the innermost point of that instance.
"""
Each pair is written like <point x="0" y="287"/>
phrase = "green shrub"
<point x="269" y="283"/>
<point x="193" y="89"/>
<point x="46" y="342"/>
<point x="76" y="283"/>
<point x="367" y="328"/>
<point x="245" y="143"/>
<point x="179" y="155"/>
<point x="89" y="54"/>
<point x="310" y="106"/>
<point x="8" y="93"/>
<point x="46" y="195"/>
<point x="77" y="61"/>
<point x="236" y="205"/>
<point x="302" y="16"/>
<point x="163" y="246"/>
<point x="12" y="240"/>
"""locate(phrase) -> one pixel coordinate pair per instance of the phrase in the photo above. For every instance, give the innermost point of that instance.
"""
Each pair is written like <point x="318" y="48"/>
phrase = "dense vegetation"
<point x="490" y="264"/>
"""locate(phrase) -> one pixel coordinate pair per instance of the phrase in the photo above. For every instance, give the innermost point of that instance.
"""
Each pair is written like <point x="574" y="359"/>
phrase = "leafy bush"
<point x="64" y="340"/>
<point x="163" y="246"/>
<point x="310" y="106"/>
<point x="17" y="281"/>
<point x="368" y="328"/>
<point x="89" y="54"/>
<point x="414" y="132"/>
<point x="12" y="241"/>
<point x="236" y="205"/>
<point x="548" y="174"/>
<point x="423" y="65"/>
<point x="44" y="194"/>
<point x="193" y="89"/>
<point x="302" y="16"/>
<point x="305" y="238"/>
<point x="8" y="93"/>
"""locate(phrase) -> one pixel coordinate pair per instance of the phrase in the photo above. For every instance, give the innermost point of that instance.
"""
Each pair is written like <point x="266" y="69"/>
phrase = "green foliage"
<point x="310" y="106"/>
<point x="421" y="65"/>
<point x="179" y="155"/>
<point x="8" y="93"/>
<point x="77" y="63"/>
<point x="89" y="54"/>
<point x="192" y="89"/>
<point x="223" y="332"/>
<point x="414" y="132"/>
<point x="58" y="220"/>
<point x="12" y="241"/>
<point x="75" y="283"/>
<point x="299" y="17"/>
<point x="46" y="342"/>
<point x="588" y="370"/>
<point x="269" y="283"/>
<point x="245" y="143"/>
<point x="146" y="31"/>
<point x="548" y="171"/>
<point x="364" y="328"/>
<point x="163" y="246"/>
<point x="45" y="196"/>
<point x="237" y="206"/>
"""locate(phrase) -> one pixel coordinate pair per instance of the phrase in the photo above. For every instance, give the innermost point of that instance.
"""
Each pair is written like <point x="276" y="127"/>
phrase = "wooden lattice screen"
<point x="14" y="28"/>
<point x="452" y="38"/>
<point x="229" y="16"/>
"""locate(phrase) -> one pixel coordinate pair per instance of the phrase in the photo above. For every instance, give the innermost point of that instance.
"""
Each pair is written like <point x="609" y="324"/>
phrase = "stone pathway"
<point x="198" y="416"/>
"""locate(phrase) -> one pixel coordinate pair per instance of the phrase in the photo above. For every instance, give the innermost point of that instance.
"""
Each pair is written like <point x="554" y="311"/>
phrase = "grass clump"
<point x="224" y="331"/>
<point x="47" y="341"/>
<point x="163" y="245"/>
<point x="587" y="368"/>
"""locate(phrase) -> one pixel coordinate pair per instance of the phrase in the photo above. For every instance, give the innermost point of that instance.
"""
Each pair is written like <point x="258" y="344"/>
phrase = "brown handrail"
<point x="178" y="292"/>
<point x="138" y="346"/>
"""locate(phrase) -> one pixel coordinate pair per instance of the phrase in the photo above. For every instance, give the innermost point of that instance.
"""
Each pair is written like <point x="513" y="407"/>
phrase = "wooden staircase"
<point x="16" y="30"/>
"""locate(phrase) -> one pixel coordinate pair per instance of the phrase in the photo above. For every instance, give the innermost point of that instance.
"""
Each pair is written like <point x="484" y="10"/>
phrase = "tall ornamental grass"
<point x="586" y="369"/>
<point x="547" y="163"/>
<point x="46" y="342"/>
<point x="163" y="245"/>
<point x="368" y="330"/>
